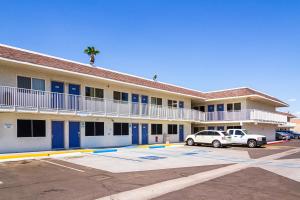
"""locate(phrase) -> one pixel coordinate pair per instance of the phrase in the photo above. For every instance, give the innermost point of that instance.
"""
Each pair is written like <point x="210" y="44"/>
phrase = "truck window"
<point x="231" y="132"/>
<point x="238" y="132"/>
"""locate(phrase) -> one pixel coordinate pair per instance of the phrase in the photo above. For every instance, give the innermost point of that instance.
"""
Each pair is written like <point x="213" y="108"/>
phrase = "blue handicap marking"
<point x="152" y="157"/>
<point x="190" y="153"/>
<point x="157" y="147"/>
<point x="105" y="151"/>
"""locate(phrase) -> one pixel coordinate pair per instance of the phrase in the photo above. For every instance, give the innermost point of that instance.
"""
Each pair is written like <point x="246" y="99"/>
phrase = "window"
<point x="31" y="128"/>
<point x="220" y="128"/>
<point x="121" y="129"/>
<point x="94" y="128"/>
<point x="24" y="82"/>
<point x="38" y="84"/>
<point x="156" y="129"/>
<point x="237" y="106"/>
<point x="231" y="132"/>
<point x="172" y="129"/>
<point x="204" y="133"/>
<point x="202" y="108"/>
<point x="214" y="133"/>
<point x="238" y="132"/>
<point x="156" y="101"/>
<point x="94" y="92"/>
<point x="172" y="103"/>
<point x="31" y="83"/>
<point x="234" y="107"/>
<point x="234" y="127"/>
<point x="230" y="107"/>
<point x="120" y="96"/>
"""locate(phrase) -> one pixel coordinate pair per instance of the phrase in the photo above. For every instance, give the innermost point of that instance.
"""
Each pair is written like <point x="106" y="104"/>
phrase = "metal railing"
<point x="18" y="99"/>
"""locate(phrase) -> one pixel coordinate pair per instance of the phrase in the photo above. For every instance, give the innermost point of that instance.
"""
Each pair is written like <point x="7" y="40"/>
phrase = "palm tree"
<point x="92" y="52"/>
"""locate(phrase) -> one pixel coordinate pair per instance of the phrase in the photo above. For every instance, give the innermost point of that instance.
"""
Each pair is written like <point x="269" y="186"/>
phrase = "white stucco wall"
<point x="260" y="106"/>
<point x="9" y="142"/>
<point x="267" y="130"/>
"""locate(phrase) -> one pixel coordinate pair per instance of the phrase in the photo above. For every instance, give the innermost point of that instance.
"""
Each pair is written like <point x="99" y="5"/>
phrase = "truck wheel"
<point x="251" y="143"/>
<point x="216" y="144"/>
<point x="190" y="142"/>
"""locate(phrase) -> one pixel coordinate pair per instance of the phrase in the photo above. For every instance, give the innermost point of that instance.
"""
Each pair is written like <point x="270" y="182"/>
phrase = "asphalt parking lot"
<point x="272" y="172"/>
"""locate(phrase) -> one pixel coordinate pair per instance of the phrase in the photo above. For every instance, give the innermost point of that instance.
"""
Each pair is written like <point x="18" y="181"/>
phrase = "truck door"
<point x="238" y="136"/>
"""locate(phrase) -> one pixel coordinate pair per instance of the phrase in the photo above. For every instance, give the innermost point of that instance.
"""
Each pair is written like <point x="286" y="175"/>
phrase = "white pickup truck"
<point x="241" y="136"/>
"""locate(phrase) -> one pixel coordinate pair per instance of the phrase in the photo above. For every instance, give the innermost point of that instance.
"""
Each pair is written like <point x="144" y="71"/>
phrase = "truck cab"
<point x="241" y="136"/>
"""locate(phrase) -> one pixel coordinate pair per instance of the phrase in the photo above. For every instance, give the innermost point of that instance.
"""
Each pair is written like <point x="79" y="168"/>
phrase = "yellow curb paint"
<point x="44" y="154"/>
<point x="50" y="153"/>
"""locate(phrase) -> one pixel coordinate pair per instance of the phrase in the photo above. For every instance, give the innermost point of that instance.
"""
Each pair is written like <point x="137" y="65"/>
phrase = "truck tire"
<point x="216" y="144"/>
<point x="252" y="143"/>
<point x="190" y="142"/>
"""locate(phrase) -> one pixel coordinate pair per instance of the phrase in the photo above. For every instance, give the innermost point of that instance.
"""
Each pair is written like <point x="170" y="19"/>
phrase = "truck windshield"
<point x="245" y="131"/>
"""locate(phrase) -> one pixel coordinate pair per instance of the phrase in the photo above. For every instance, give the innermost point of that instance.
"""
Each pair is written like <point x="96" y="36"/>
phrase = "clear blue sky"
<point x="204" y="44"/>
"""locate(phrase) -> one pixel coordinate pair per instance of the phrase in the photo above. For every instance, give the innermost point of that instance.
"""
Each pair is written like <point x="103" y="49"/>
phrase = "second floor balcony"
<point x="25" y="100"/>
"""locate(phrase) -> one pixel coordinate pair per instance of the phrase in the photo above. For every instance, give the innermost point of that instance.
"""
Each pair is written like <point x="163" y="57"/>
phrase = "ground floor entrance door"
<point x="74" y="134"/>
<point x="181" y="133"/>
<point x="145" y="134"/>
<point x="58" y="135"/>
<point x="135" y="133"/>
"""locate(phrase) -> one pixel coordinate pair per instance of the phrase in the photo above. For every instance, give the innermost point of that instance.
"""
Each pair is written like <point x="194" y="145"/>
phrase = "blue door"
<point x="57" y="98"/>
<point x="181" y="106"/>
<point x="74" y="91"/>
<point x="58" y="135"/>
<point x="181" y="133"/>
<point x="74" y="134"/>
<point x="135" y="133"/>
<point x="220" y="109"/>
<point x="135" y="104"/>
<point x="144" y="105"/>
<point x="210" y="114"/>
<point x="145" y="134"/>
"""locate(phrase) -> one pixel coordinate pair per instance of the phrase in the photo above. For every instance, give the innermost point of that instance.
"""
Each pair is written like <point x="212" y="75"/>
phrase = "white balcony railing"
<point x="43" y="101"/>
<point x="17" y="99"/>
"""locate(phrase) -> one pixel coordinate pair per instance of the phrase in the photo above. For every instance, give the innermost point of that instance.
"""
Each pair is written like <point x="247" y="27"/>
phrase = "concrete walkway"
<point x="165" y="187"/>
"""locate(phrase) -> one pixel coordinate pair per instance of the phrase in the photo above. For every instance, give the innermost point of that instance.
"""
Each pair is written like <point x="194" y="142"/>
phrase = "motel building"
<point x="51" y="103"/>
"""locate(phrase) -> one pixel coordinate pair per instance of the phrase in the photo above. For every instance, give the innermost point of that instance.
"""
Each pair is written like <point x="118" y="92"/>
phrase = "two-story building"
<point x="52" y="103"/>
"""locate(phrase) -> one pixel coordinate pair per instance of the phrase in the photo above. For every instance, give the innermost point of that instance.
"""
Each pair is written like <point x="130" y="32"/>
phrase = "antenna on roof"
<point x="155" y="77"/>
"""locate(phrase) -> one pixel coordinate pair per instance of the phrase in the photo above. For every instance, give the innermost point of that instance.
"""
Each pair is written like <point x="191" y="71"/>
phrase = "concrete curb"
<point x="277" y="142"/>
<point x="45" y="154"/>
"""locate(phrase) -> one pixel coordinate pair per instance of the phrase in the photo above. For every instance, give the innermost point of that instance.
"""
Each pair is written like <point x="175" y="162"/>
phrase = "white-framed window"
<point x="234" y="107"/>
<point x="24" y="82"/>
<point x="31" y="128"/>
<point x="94" y="128"/>
<point x="94" y="92"/>
<point x="121" y="129"/>
<point x="120" y="96"/>
<point x="156" y="129"/>
<point x="156" y="101"/>
<point x="172" y="103"/>
<point x="172" y="129"/>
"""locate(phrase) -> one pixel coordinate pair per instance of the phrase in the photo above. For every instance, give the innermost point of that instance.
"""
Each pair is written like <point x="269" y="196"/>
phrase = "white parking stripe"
<point x="53" y="163"/>
<point x="1" y="182"/>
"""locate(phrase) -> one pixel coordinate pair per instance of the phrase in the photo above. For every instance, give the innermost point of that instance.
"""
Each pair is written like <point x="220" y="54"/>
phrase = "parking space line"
<point x="1" y="182"/>
<point x="120" y="158"/>
<point x="53" y="163"/>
